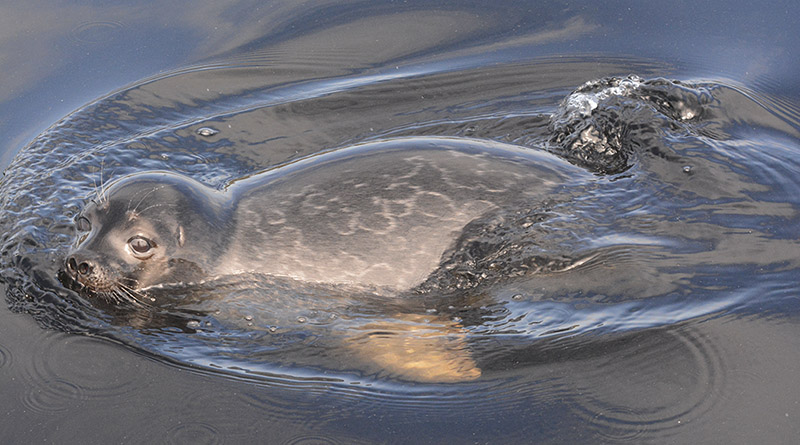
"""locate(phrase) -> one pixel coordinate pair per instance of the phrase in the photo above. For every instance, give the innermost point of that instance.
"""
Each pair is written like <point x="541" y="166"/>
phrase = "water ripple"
<point x="194" y="432"/>
<point x="52" y="395"/>
<point x="5" y="357"/>
<point x="96" y="32"/>
<point x="313" y="440"/>
<point x="651" y="385"/>
<point x="67" y="369"/>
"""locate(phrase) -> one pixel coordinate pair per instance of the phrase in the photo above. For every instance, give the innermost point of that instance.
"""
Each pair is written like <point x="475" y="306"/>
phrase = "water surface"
<point x="664" y="302"/>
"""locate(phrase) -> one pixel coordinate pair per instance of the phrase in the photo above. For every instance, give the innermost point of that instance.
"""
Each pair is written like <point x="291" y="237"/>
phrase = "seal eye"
<point x="83" y="224"/>
<point x="140" y="245"/>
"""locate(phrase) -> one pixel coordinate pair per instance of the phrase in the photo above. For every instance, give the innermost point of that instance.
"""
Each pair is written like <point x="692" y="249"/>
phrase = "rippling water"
<point x="593" y="314"/>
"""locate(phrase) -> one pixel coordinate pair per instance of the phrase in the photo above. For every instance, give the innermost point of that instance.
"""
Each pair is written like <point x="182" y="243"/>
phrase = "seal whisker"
<point x="97" y="191"/>
<point x="125" y="294"/>
<point x="108" y="296"/>
<point x="102" y="166"/>
<point x="163" y="204"/>
<point x="130" y="283"/>
<point x="147" y="193"/>
<point x="103" y="185"/>
<point x="127" y="290"/>
<point x="118" y="297"/>
<point x="133" y="296"/>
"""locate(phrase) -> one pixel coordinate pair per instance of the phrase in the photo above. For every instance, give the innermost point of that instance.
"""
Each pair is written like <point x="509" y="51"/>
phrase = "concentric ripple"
<point x="84" y="373"/>
<point x="312" y="440"/>
<point x="52" y="396"/>
<point x="650" y="385"/>
<point x="5" y="357"/>
<point x="96" y="32"/>
<point x="194" y="432"/>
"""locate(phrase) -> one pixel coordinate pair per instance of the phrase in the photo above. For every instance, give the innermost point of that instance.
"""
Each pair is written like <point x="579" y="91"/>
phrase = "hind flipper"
<point x="417" y="348"/>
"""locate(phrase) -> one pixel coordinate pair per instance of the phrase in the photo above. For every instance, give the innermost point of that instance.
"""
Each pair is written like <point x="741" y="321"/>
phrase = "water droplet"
<point x="248" y="317"/>
<point x="302" y="319"/>
<point x="517" y="297"/>
<point x="207" y="131"/>
<point x="457" y="319"/>
<point x="194" y="324"/>
<point x="273" y="329"/>
<point x="333" y="316"/>
<point x="687" y="168"/>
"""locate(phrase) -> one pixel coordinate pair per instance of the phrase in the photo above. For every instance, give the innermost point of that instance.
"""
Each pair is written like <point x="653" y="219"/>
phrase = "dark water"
<point x="651" y="299"/>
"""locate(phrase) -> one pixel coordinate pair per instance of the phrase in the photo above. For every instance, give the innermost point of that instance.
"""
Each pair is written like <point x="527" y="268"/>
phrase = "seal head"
<point x="146" y="230"/>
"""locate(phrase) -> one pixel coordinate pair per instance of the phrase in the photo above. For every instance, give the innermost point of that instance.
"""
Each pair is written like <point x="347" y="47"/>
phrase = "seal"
<point x="378" y="214"/>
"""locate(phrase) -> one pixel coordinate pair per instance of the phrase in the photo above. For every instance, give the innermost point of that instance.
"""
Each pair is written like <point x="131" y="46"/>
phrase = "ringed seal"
<point x="378" y="214"/>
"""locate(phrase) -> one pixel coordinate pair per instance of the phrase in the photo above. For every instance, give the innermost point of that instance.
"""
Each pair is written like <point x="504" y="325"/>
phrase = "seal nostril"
<point x="84" y="268"/>
<point x="71" y="264"/>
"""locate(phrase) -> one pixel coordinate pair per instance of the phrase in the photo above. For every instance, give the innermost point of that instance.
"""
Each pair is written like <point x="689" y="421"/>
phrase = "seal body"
<point x="378" y="214"/>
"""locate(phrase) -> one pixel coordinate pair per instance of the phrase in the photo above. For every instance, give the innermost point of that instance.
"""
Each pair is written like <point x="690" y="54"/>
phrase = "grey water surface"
<point x="650" y="297"/>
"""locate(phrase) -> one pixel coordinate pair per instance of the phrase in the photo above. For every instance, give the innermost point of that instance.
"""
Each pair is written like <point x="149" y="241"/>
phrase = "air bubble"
<point x="207" y="131"/>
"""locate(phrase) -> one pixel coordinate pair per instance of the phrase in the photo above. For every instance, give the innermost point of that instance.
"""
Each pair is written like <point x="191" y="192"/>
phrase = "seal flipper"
<point x="417" y="348"/>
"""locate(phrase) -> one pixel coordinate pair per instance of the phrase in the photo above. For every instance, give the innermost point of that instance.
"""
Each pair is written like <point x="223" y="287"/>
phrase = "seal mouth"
<point x="111" y="292"/>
